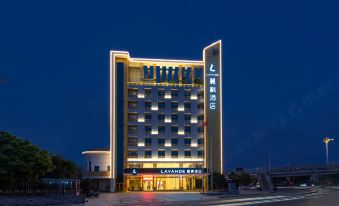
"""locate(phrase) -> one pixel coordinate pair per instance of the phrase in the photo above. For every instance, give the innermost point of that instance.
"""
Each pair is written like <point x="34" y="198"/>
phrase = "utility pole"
<point x="211" y="149"/>
<point x="269" y="164"/>
<point x="327" y="140"/>
<point x="203" y="191"/>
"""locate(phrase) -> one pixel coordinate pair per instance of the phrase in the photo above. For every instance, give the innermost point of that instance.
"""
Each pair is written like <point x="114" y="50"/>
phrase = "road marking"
<point x="267" y="199"/>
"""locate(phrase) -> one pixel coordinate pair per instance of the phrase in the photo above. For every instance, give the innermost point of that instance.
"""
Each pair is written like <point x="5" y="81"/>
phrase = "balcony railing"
<point x="103" y="174"/>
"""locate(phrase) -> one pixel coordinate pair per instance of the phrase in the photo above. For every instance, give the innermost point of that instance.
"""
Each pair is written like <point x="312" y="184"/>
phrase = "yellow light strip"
<point x="165" y="159"/>
<point x="141" y="144"/>
<point x="194" y="120"/>
<point x="181" y="132"/>
<point x="141" y="119"/>
<point x="221" y="147"/>
<point x="112" y="112"/>
<point x="166" y="60"/>
<point x="181" y="108"/>
<point x="154" y="132"/>
<point x="194" y="97"/>
<point x="168" y="120"/>
<point x="141" y="96"/>
<point x="194" y="144"/>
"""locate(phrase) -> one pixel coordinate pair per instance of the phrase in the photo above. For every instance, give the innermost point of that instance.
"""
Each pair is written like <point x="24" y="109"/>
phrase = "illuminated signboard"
<point x="165" y="171"/>
<point x="213" y="101"/>
<point x="212" y="74"/>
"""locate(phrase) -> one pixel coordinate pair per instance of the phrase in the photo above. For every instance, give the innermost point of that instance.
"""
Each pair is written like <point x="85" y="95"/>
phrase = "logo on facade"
<point x="181" y="171"/>
<point x="134" y="172"/>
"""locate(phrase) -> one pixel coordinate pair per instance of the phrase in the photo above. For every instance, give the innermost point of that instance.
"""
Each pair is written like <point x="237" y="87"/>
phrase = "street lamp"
<point x="327" y="140"/>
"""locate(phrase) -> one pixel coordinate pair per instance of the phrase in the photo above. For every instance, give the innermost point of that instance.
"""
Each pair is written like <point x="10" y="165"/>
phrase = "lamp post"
<point x="327" y="140"/>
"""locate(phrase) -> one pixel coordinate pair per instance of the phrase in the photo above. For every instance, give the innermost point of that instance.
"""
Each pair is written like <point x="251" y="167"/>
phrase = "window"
<point x="187" y="153"/>
<point x="161" y="154"/>
<point x="174" y="105"/>
<point x="161" y="129"/>
<point x="161" y="92"/>
<point x="174" y="117"/>
<point x="174" y="141"/>
<point x="200" y="153"/>
<point x="132" y="105"/>
<point x="161" y="117"/>
<point x="132" y="154"/>
<point x="174" y="93"/>
<point x="148" y="72"/>
<point x="187" y="129"/>
<point x="132" y="129"/>
<point x="187" y="94"/>
<point x="132" y="117"/>
<point x="200" y="142"/>
<point x="148" y="129"/>
<point x="174" y="129"/>
<point x="200" y="117"/>
<point x="161" y="142"/>
<point x="200" y="106"/>
<point x="96" y="168"/>
<point x="148" y="141"/>
<point x="132" y="141"/>
<point x="148" y="117"/>
<point x="200" y="95"/>
<point x="148" y="93"/>
<point x="132" y="92"/>
<point x="174" y="154"/>
<point x="187" y="141"/>
<point x="187" y="117"/>
<point x="148" y="153"/>
<point x="200" y="129"/>
<point x="148" y="104"/>
<point x="187" y="105"/>
<point x="161" y="105"/>
<point x="89" y="166"/>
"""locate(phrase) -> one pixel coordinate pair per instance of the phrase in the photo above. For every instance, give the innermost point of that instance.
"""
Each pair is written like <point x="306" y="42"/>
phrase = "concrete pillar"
<point x="192" y="72"/>
<point x="154" y="72"/>
<point x="180" y="74"/>
<point x="112" y="185"/>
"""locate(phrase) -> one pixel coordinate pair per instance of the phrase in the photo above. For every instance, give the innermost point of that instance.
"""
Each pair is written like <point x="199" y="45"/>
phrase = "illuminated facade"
<point x="166" y="121"/>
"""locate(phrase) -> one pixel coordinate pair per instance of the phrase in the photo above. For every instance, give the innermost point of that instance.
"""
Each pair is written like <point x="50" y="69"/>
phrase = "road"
<point x="305" y="197"/>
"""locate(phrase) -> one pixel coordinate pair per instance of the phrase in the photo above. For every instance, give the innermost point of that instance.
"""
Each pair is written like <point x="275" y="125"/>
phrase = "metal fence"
<point x="41" y="189"/>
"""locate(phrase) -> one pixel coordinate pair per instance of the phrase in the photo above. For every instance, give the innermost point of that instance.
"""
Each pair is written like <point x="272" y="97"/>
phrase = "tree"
<point x="21" y="161"/>
<point x="244" y="178"/>
<point x="63" y="168"/>
<point x="219" y="181"/>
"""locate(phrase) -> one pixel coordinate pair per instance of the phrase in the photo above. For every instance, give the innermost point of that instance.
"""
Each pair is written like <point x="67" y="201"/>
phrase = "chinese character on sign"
<point x="213" y="90"/>
<point x="212" y="80"/>
<point x="212" y="105"/>
<point x="213" y="97"/>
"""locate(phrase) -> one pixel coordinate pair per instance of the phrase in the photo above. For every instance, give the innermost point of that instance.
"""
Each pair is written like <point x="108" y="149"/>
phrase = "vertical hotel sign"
<point x="213" y="105"/>
<point x="212" y="74"/>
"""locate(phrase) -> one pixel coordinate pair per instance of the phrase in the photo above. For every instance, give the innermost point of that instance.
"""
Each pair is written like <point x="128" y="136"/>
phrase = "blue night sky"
<point x="280" y="67"/>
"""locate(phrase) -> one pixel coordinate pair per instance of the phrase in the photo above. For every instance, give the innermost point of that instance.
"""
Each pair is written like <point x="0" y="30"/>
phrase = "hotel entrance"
<point x="164" y="183"/>
<point x="147" y="183"/>
<point x="164" y="179"/>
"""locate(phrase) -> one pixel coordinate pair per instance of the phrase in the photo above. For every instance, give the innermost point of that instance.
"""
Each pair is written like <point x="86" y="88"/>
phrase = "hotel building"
<point x="165" y="122"/>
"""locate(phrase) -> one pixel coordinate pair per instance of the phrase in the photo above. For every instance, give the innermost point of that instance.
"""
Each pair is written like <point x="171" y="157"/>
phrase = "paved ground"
<point x="146" y="198"/>
<point x="282" y="197"/>
<point x="293" y="197"/>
